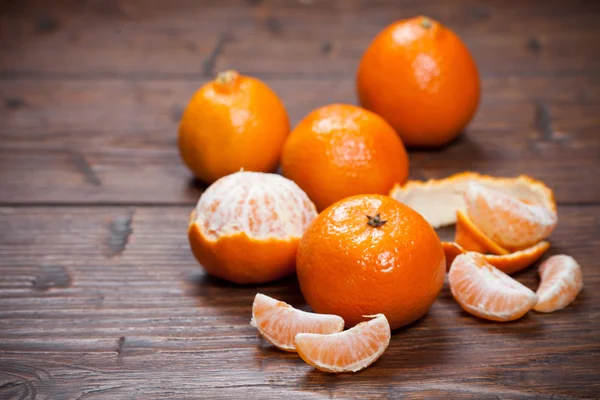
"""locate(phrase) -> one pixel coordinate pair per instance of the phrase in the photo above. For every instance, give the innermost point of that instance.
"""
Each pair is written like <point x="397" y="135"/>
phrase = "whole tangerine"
<point x="420" y="77"/>
<point x="370" y="254"/>
<point x="246" y="227"/>
<point x="232" y="122"/>
<point x="342" y="150"/>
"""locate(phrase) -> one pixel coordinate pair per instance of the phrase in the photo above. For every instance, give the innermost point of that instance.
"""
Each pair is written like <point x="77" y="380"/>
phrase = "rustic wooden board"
<point x="109" y="302"/>
<point x="93" y="91"/>
<point x="145" y="39"/>
<point x="100" y="296"/>
<point x="78" y="141"/>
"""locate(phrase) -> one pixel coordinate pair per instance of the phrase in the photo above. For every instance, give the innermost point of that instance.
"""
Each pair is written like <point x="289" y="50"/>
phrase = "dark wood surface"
<point x="100" y="297"/>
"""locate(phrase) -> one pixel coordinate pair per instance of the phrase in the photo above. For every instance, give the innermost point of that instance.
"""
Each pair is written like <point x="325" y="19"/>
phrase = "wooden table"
<point x="100" y="296"/>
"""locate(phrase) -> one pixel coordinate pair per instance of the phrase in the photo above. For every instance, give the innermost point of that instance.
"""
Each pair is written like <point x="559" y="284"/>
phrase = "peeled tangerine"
<point x="504" y="218"/>
<point x="347" y="351"/>
<point x="486" y="292"/>
<point x="561" y="282"/>
<point x="437" y="200"/>
<point x="247" y="226"/>
<point x="279" y="323"/>
<point x="507" y="220"/>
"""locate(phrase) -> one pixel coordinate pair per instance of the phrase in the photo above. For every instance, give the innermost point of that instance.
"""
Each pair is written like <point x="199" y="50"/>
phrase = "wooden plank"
<point x="107" y="301"/>
<point x="79" y="317"/>
<point x="547" y="54"/>
<point x="156" y="39"/>
<point x="69" y="141"/>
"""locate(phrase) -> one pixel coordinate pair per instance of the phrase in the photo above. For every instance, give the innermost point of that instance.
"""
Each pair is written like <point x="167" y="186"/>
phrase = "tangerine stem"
<point x="226" y="76"/>
<point x="426" y="22"/>
<point x="375" y="221"/>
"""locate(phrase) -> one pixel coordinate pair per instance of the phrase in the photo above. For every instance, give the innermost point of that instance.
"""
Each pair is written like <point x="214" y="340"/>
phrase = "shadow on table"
<point x="426" y="163"/>
<point x="231" y="297"/>
<point x="195" y="187"/>
<point x="422" y="345"/>
<point x="528" y="327"/>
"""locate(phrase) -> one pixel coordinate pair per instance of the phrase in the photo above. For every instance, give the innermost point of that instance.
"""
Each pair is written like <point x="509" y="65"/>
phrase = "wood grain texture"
<point x="100" y="297"/>
<point x="149" y="323"/>
<point x="80" y="142"/>
<point x="93" y="91"/>
<point x="153" y="38"/>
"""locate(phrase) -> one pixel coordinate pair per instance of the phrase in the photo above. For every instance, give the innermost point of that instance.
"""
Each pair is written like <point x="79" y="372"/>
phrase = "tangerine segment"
<point x="347" y="351"/>
<point x="507" y="263"/>
<point x="506" y="220"/>
<point x="486" y="292"/>
<point x="247" y="226"/>
<point x="561" y="282"/>
<point x="437" y="200"/>
<point x="471" y="238"/>
<point x="279" y="323"/>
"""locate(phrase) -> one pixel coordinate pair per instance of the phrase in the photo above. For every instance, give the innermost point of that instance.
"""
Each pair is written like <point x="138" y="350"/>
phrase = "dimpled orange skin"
<point x="420" y="77"/>
<point x="232" y="122"/>
<point x="342" y="150"/>
<point x="349" y="268"/>
<point x="242" y="260"/>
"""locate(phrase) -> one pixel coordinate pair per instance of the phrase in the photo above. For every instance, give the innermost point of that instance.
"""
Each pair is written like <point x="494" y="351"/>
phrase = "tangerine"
<point x="369" y="254"/>
<point x="246" y="227"/>
<point x="420" y="77"/>
<point x="342" y="150"/>
<point x="232" y="122"/>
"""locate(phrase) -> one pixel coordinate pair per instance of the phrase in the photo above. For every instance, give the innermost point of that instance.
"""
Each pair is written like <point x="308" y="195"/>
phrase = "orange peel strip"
<point x="507" y="263"/>
<point x="438" y="200"/>
<point x="472" y="238"/>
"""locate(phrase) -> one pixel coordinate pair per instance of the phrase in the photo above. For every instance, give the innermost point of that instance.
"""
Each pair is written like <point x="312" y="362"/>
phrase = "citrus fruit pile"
<point x="342" y="216"/>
